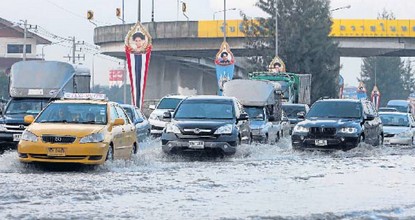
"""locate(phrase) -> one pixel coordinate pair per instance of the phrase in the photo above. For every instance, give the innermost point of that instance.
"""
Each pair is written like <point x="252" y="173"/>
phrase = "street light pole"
<point x="139" y="11"/>
<point x="276" y="27"/>
<point x="224" y="21"/>
<point x="24" y="40"/>
<point x="214" y="13"/>
<point x="152" y="10"/>
<point x="125" y="63"/>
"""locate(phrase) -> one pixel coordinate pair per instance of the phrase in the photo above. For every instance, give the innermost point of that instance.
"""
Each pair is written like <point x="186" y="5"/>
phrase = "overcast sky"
<point x="67" y="18"/>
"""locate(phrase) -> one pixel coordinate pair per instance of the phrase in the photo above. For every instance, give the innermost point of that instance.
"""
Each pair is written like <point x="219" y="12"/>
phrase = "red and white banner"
<point x="137" y="65"/>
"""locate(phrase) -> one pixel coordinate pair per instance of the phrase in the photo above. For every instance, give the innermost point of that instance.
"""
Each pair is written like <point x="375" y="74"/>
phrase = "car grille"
<point x="15" y="127"/>
<point x="197" y="131"/>
<point x="322" y="132"/>
<point x="58" y="139"/>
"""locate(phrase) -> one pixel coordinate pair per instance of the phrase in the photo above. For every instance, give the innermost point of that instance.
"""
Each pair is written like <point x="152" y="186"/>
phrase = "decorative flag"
<point x="361" y="91"/>
<point x="376" y="97"/>
<point x="225" y="65"/>
<point x="138" y="51"/>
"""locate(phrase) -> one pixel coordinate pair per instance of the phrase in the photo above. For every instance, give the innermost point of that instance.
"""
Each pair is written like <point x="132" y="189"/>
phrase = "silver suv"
<point x="166" y="104"/>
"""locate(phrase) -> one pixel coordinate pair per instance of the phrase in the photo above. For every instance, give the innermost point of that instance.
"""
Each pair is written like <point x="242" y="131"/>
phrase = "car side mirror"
<point x="152" y="107"/>
<point x="167" y="115"/>
<point x="28" y="119"/>
<point x="243" y="117"/>
<point x="271" y="118"/>
<point x="370" y="117"/>
<point x="139" y="120"/>
<point x="119" y="121"/>
<point x="301" y="115"/>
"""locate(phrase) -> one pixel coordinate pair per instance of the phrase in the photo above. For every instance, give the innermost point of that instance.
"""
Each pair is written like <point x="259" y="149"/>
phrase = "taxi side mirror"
<point x="119" y="121"/>
<point x="28" y="119"/>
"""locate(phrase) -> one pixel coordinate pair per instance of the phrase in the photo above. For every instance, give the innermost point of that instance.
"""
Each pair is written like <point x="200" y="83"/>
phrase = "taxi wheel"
<point x="110" y="153"/>
<point x="134" y="150"/>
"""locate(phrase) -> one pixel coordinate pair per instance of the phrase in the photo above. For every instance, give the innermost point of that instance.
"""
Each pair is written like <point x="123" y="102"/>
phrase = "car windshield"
<point x="204" y="110"/>
<point x="394" y="120"/>
<point x="255" y="113"/>
<point x="292" y="110"/>
<point x="331" y="109"/>
<point x="26" y="106"/>
<point x="79" y="113"/>
<point x="169" y="103"/>
<point x="400" y="108"/>
<point x="388" y="110"/>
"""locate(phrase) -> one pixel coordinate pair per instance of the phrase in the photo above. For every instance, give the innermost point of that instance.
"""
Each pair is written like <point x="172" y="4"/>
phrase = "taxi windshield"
<point x="77" y="113"/>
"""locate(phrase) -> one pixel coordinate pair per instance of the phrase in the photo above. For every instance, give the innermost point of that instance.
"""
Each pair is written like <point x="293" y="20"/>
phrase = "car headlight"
<point x="28" y="136"/>
<point x="153" y="117"/>
<point x="3" y="127"/>
<point x="172" y="128"/>
<point x="225" y="129"/>
<point x="348" y="130"/>
<point x="405" y="134"/>
<point x="92" y="138"/>
<point x="301" y="129"/>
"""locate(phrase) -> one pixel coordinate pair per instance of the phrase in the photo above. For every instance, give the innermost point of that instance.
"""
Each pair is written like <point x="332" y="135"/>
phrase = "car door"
<point x="116" y="133"/>
<point x="128" y="133"/>
<point x="371" y="126"/>
<point x="243" y="125"/>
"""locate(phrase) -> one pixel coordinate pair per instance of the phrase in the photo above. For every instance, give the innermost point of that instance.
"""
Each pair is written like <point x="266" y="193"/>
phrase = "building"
<point x="11" y="44"/>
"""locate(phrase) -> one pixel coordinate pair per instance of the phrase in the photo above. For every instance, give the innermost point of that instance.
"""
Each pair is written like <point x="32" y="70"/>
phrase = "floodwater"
<point x="259" y="182"/>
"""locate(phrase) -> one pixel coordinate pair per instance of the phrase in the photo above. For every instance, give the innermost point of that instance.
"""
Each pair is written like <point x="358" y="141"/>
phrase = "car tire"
<point x="110" y="153"/>
<point x="379" y="141"/>
<point x="135" y="149"/>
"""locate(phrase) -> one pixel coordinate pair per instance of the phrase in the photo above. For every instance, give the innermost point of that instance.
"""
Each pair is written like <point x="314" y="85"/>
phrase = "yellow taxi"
<point x="80" y="128"/>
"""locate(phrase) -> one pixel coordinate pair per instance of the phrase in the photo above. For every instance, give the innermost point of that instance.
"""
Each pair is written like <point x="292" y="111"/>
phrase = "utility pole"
<point x="73" y="49"/>
<point x="152" y="10"/>
<point x="125" y="62"/>
<point x="276" y="27"/>
<point x="24" y="40"/>
<point x="224" y="21"/>
<point x="139" y="11"/>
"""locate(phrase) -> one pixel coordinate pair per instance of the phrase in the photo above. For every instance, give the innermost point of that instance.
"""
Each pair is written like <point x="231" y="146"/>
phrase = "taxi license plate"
<point x="16" y="137"/>
<point x="196" y="144"/>
<point x="56" y="151"/>
<point x="321" y="142"/>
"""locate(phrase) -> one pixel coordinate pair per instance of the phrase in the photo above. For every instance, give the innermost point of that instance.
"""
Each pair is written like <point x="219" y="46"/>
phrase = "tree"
<point x="303" y="39"/>
<point x="4" y="86"/>
<point x="393" y="77"/>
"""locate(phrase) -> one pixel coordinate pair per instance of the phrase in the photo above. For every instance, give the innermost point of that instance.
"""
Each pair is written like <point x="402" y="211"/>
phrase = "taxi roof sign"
<point x="85" y="96"/>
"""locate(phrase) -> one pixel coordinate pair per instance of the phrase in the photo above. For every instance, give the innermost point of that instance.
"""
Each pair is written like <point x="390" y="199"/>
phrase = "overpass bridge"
<point x="183" y="51"/>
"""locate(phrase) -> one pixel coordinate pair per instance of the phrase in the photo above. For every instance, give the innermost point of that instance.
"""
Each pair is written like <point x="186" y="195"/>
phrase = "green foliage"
<point x="304" y="44"/>
<point x="393" y="77"/>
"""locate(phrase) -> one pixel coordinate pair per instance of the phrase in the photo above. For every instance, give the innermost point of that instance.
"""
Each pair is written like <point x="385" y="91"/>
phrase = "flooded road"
<point x="260" y="181"/>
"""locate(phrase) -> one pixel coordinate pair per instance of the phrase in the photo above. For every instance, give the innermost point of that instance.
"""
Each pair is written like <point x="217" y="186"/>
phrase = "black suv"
<point x="206" y="123"/>
<point x="338" y="124"/>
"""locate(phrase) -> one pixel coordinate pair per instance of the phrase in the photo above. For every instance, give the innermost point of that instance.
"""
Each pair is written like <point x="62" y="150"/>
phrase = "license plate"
<point x="16" y="137"/>
<point x="56" y="151"/>
<point x="321" y="142"/>
<point x="196" y="144"/>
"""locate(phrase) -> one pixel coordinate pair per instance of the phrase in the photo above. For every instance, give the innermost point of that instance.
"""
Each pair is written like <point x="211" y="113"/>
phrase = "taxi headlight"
<point x="153" y="117"/>
<point x="301" y="129"/>
<point x="348" y="130"/>
<point x="225" y="129"/>
<point x="92" y="138"/>
<point x="3" y="127"/>
<point x="172" y="128"/>
<point x="405" y="134"/>
<point x="28" y="136"/>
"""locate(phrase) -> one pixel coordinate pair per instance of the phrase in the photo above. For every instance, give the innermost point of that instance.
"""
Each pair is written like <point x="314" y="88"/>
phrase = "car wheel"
<point x="110" y="153"/>
<point x="134" y="150"/>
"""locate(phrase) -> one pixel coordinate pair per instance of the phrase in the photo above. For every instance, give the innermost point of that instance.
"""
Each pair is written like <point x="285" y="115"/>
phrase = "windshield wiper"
<point x="88" y="122"/>
<point x="55" y="121"/>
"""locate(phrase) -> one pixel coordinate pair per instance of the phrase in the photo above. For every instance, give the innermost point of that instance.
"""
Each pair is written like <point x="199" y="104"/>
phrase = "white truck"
<point x="262" y="101"/>
<point x="33" y="84"/>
